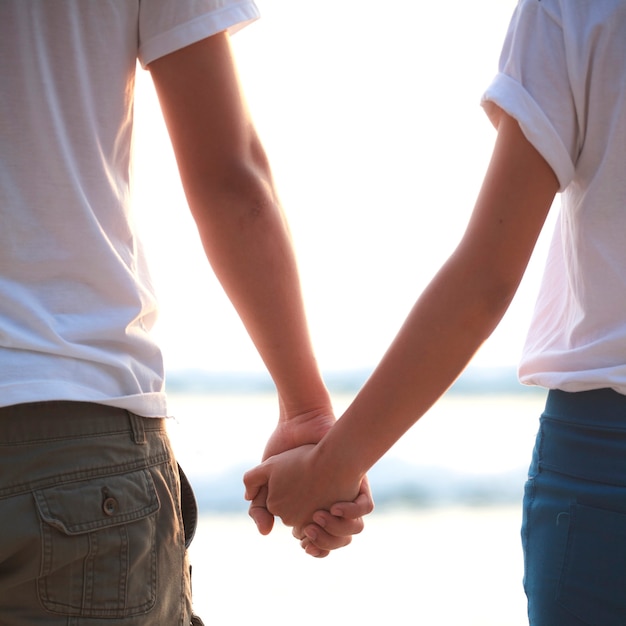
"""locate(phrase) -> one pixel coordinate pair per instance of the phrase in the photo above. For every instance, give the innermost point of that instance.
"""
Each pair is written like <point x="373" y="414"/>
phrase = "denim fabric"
<point x="92" y="533"/>
<point x="574" y="527"/>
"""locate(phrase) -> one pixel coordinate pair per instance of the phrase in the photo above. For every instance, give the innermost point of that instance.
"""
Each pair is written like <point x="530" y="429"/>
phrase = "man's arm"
<point x="230" y="191"/>
<point x="229" y="188"/>
<point x="456" y="313"/>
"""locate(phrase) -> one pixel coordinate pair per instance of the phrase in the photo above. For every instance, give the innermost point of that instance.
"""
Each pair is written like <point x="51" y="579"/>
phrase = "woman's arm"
<point x="451" y="319"/>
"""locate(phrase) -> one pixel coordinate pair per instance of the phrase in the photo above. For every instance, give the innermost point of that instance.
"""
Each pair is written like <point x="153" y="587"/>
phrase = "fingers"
<point x="258" y="511"/>
<point x="312" y="550"/>
<point x="329" y="533"/>
<point x="254" y="480"/>
<point x="337" y="527"/>
<point x="324" y="540"/>
<point x="362" y="505"/>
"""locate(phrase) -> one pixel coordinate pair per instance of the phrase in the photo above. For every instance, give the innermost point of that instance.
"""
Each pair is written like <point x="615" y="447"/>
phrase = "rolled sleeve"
<point x="506" y="94"/>
<point x="533" y="85"/>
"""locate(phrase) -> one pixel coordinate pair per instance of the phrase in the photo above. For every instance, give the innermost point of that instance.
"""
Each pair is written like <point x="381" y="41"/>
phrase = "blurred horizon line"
<point x="476" y="379"/>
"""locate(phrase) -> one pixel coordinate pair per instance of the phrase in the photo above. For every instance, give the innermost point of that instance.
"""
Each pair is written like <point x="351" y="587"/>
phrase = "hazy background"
<point x="370" y="115"/>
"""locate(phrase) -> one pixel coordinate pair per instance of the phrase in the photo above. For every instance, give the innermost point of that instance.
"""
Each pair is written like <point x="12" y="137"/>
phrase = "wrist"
<point x="339" y="461"/>
<point x="310" y="399"/>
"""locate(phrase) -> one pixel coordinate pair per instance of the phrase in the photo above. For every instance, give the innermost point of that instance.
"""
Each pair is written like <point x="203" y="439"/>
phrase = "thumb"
<point x="255" y="481"/>
<point x="258" y="511"/>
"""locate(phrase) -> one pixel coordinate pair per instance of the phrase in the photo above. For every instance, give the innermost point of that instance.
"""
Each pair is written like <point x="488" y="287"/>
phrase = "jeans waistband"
<point x="583" y="435"/>
<point x="47" y="421"/>
<point x="600" y="408"/>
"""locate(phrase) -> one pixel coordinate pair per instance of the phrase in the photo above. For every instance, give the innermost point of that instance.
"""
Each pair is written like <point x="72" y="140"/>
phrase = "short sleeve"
<point x="168" y="25"/>
<point x="533" y="86"/>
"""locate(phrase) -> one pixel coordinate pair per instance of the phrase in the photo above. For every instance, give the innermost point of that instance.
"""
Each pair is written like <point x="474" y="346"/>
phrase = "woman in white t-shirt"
<point x="559" y="105"/>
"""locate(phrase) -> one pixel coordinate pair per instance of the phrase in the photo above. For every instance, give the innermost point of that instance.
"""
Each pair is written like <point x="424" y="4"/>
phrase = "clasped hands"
<point x="306" y="492"/>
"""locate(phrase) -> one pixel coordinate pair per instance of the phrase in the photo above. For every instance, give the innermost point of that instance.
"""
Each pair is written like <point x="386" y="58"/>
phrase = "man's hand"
<point x="328" y="530"/>
<point x="291" y="432"/>
<point x="333" y="531"/>
<point x="291" y="486"/>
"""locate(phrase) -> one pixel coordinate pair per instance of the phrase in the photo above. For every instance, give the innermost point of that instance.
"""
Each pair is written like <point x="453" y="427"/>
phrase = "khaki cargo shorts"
<point x="91" y="526"/>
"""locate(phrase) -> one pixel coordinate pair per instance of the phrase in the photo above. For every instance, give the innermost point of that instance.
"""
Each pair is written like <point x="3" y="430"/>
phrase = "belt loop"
<point x="137" y="426"/>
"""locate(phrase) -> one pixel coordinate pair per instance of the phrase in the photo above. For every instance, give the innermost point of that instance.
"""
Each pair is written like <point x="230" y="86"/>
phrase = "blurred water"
<point x="470" y="449"/>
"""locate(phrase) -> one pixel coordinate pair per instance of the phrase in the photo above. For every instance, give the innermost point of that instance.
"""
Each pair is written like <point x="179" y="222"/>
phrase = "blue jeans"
<point x="91" y="526"/>
<point x="574" y="527"/>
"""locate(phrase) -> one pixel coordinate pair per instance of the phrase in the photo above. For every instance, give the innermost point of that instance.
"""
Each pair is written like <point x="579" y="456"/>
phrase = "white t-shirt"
<point x="76" y="300"/>
<point x="563" y="77"/>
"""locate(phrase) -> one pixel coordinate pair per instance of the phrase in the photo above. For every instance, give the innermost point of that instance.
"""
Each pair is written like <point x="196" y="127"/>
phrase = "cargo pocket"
<point x="593" y="579"/>
<point x="98" y="546"/>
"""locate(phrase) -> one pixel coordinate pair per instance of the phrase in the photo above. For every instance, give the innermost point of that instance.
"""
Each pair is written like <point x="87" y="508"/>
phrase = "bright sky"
<point x="370" y="115"/>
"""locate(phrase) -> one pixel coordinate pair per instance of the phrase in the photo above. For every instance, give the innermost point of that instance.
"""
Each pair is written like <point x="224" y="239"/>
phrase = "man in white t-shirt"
<point x="89" y="489"/>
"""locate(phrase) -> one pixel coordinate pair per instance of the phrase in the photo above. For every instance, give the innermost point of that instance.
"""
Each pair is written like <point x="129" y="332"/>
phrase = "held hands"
<point x="292" y="431"/>
<point x="295" y="486"/>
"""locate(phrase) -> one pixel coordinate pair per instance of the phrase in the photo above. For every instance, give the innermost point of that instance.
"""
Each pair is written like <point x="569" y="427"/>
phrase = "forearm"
<point x="229" y="188"/>
<point x="456" y="313"/>
<point x="447" y="325"/>
<point x="248" y="244"/>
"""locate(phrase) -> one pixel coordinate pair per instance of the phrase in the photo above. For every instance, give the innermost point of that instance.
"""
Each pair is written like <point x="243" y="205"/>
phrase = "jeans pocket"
<point x="98" y="546"/>
<point x="593" y="579"/>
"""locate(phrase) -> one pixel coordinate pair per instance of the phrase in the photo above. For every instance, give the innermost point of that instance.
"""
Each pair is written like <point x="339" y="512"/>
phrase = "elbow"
<point x="239" y="187"/>
<point x="492" y="297"/>
<point x="498" y="297"/>
<point x="484" y="290"/>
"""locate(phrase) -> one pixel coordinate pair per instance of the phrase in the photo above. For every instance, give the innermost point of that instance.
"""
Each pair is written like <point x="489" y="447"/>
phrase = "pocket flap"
<point x="87" y="505"/>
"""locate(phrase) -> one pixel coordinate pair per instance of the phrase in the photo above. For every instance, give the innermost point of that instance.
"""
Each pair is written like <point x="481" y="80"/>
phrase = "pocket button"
<point x="110" y="506"/>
